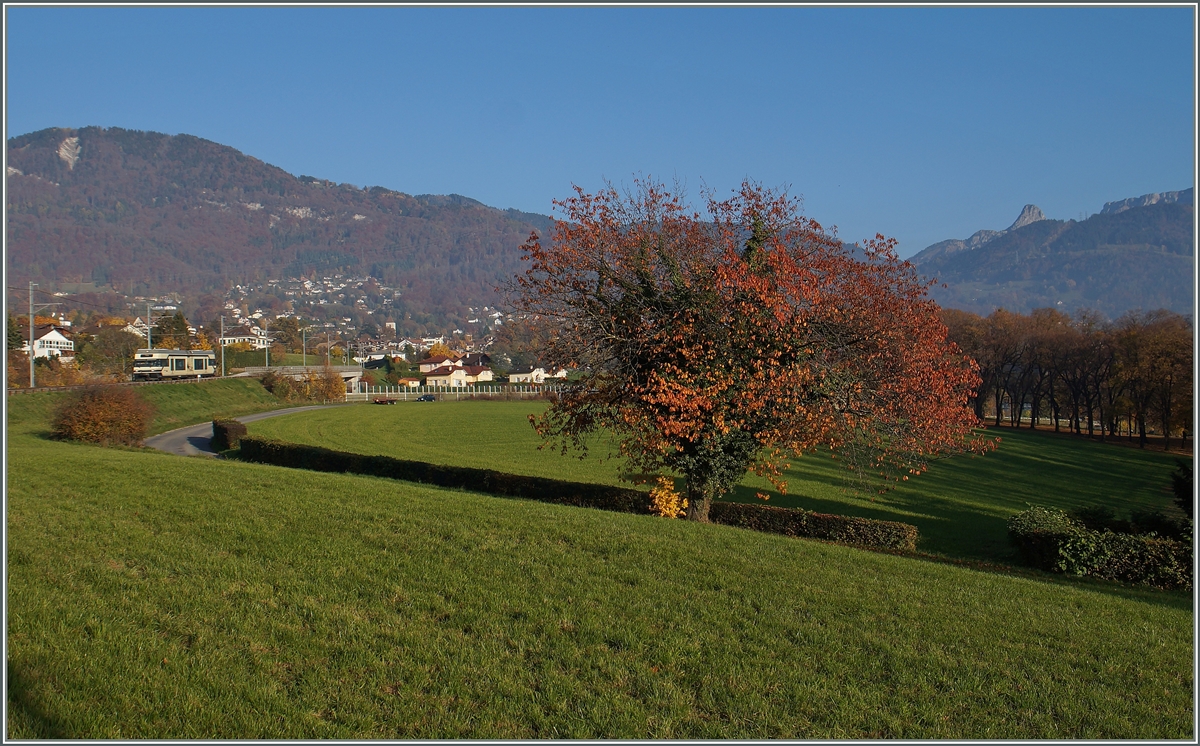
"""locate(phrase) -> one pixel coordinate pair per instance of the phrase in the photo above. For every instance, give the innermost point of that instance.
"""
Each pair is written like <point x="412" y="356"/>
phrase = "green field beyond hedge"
<point x="154" y="596"/>
<point x="960" y="506"/>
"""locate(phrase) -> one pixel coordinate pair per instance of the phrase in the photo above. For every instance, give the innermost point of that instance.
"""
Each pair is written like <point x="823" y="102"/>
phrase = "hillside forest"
<point x="143" y="213"/>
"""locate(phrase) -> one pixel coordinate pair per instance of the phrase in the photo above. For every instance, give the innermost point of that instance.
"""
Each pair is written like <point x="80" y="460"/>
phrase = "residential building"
<point x="48" y="341"/>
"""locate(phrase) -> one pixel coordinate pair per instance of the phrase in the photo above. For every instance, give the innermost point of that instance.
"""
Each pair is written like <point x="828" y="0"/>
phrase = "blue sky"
<point x="920" y="123"/>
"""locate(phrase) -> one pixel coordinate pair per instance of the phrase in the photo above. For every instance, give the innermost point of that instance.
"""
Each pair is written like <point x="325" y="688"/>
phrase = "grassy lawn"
<point x="153" y="596"/>
<point x="960" y="506"/>
<point x="176" y="404"/>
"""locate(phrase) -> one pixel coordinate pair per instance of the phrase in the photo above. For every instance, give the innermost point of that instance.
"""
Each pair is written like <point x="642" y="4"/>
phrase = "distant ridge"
<point x="149" y="213"/>
<point x="1135" y="253"/>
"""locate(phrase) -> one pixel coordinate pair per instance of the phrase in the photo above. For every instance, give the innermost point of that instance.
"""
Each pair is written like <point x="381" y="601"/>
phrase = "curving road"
<point x="193" y="440"/>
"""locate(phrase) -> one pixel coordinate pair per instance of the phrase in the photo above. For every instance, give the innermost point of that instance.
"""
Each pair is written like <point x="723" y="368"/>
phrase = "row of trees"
<point x="1096" y="376"/>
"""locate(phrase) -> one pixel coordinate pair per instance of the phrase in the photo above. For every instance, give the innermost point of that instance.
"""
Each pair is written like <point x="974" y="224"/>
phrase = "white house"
<point x="137" y="327"/>
<point x="448" y="375"/>
<point x="527" y="375"/>
<point x="535" y="375"/>
<point x="49" y="341"/>
<point x="253" y="336"/>
<point x="439" y="361"/>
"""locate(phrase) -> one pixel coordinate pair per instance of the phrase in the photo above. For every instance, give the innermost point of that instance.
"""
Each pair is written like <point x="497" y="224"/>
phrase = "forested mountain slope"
<point x="153" y="213"/>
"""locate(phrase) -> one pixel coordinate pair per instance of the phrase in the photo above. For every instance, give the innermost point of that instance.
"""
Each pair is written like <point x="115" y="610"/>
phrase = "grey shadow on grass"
<point x="25" y="704"/>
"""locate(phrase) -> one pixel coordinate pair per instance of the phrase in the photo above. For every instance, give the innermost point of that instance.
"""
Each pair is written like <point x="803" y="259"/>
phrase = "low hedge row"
<point x="865" y="532"/>
<point x="227" y="434"/>
<point x="557" y="491"/>
<point x="862" y="532"/>
<point x="1052" y="540"/>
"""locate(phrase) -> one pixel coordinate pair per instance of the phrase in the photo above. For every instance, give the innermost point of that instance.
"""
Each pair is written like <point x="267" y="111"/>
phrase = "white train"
<point x="157" y="364"/>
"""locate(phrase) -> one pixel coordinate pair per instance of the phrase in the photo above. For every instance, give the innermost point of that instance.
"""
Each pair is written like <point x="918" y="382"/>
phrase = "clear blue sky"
<point x="920" y="123"/>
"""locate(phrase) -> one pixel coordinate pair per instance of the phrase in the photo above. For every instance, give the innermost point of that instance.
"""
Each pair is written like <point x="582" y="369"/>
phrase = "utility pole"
<point x="32" y="384"/>
<point x="32" y="332"/>
<point x="221" y="341"/>
<point x="304" y="347"/>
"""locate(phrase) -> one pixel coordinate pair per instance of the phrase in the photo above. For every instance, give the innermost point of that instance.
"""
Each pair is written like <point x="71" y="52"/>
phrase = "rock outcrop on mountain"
<point x="149" y="213"/>
<point x="1137" y="256"/>
<point x="1155" y="198"/>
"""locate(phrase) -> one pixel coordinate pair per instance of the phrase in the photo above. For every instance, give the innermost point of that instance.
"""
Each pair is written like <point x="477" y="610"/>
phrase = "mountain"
<point x="149" y="213"/>
<point x="1136" y="253"/>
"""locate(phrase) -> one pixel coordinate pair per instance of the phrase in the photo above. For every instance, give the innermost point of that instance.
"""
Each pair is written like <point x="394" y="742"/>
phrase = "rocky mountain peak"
<point x="1029" y="214"/>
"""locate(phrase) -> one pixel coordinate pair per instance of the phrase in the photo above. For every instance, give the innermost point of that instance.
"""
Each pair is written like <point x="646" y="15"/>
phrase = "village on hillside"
<point x="254" y="329"/>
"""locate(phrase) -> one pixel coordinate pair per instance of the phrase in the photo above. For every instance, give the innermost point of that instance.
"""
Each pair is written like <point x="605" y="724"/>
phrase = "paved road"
<point x="193" y="440"/>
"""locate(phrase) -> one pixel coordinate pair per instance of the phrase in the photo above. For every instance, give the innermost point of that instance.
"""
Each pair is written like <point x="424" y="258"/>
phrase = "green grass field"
<point x="960" y="506"/>
<point x="154" y="596"/>
<point x="175" y="405"/>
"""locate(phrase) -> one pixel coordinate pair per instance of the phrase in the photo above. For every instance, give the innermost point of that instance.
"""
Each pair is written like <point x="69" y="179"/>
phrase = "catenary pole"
<point x="32" y="383"/>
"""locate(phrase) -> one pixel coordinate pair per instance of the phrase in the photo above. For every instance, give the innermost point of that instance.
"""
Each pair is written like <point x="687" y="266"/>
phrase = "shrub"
<point x="1037" y="534"/>
<point x="1051" y="540"/>
<point x="227" y="434"/>
<point x="108" y="415"/>
<point x="863" y="532"/>
<point x="327" y="385"/>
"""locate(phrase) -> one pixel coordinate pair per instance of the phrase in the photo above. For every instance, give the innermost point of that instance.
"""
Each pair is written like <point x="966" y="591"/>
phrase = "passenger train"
<point x="158" y="364"/>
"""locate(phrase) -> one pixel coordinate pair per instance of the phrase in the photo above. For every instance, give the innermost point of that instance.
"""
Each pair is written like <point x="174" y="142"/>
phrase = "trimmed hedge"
<point x="227" y="434"/>
<point x="557" y="491"/>
<point x="863" y="532"/>
<point x="1052" y="540"/>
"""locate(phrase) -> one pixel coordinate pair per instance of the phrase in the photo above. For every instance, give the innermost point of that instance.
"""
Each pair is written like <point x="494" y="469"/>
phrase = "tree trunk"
<point x="1166" y="423"/>
<point x="700" y="496"/>
<point x="1141" y="423"/>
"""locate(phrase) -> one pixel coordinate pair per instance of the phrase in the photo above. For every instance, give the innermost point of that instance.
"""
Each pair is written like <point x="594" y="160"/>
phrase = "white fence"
<point x="485" y="391"/>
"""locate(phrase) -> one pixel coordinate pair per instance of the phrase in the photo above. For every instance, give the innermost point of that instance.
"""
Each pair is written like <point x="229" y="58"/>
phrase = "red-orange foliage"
<point x="108" y="415"/>
<point x="711" y="346"/>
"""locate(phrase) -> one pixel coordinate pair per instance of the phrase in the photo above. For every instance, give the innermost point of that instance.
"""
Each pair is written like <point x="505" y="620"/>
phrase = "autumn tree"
<point x="171" y="332"/>
<point x="110" y="352"/>
<point x="287" y="332"/>
<point x="713" y="345"/>
<point x="438" y="350"/>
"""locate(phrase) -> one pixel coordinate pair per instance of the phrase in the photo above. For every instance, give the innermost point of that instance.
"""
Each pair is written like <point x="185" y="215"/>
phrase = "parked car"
<point x="426" y="397"/>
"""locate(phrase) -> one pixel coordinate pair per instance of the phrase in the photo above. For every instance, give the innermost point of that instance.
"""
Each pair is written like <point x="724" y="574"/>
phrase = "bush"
<point x="227" y="434"/>
<point x="325" y="386"/>
<point x="1053" y="541"/>
<point x="862" y="532"/>
<point x="108" y="415"/>
<point x="1037" y="533"/>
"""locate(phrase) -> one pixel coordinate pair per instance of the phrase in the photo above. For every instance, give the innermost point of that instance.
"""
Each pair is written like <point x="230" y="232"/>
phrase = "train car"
<point x="161" y="364"/>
